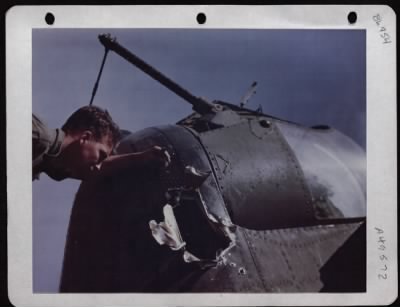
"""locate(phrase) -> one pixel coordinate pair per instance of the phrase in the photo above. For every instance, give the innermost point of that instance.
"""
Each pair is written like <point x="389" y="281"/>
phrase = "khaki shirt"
<point x="46" y="145"/>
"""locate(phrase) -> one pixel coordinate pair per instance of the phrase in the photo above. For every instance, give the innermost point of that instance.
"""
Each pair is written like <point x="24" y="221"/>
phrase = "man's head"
<point x="90" y="135"/>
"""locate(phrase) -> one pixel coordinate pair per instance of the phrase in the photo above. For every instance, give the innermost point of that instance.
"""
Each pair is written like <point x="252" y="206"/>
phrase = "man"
<point x="81" y="148"/>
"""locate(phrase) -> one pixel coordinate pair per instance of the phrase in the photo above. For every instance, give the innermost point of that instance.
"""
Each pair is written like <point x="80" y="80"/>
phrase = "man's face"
<point x="87" y="155"/>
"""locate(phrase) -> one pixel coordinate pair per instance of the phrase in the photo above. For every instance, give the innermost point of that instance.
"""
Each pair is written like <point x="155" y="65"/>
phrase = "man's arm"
<point x="154" y="156"/>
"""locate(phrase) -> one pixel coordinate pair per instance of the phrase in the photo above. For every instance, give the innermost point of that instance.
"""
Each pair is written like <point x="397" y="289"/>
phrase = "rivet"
<point x="264" y="123"/>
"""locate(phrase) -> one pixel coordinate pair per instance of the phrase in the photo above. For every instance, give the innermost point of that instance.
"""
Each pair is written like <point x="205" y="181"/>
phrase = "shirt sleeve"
<point x="40" y="144"/>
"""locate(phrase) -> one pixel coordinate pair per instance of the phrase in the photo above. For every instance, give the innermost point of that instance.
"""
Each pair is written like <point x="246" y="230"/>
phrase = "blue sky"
<point x="307" y="76"/>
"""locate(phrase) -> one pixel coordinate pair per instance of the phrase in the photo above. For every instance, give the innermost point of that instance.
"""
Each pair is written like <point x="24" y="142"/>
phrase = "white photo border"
<point x="381" y="138"/>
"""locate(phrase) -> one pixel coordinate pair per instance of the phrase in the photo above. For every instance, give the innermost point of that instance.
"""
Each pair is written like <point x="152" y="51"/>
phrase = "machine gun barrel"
<point x="199" y="104"/>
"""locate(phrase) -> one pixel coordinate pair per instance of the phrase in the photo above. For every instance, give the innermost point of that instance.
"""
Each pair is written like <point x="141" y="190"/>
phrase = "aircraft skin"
<point x="254" y="204"/>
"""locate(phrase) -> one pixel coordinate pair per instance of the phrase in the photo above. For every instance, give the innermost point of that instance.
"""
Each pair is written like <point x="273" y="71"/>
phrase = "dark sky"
<point x="306" y="76"/>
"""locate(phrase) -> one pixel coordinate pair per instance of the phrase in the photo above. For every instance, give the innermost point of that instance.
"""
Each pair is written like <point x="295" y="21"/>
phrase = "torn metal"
<point x="167" y="232"/>
<point x="194" y="177"/>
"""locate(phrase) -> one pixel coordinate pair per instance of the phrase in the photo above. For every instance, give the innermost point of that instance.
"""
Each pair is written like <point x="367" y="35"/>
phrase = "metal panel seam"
<point x="300" y="174"/>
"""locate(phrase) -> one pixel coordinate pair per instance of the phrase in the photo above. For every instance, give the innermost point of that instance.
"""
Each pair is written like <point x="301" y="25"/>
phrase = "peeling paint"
<point x="167" y="232"/>
<point x="195" y="176"/>
<point x="188" y="257"/>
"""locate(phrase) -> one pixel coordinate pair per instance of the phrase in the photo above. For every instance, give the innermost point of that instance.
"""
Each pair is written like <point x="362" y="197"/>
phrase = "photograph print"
<point x="198" y="161"/>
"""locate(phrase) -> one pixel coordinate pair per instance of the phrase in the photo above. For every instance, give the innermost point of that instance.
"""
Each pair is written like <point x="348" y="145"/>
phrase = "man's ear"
<point x="85" y="136"/>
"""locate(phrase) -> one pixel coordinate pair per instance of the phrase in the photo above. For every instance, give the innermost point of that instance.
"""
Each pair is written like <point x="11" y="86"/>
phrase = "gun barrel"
<point x="199" y="104"/>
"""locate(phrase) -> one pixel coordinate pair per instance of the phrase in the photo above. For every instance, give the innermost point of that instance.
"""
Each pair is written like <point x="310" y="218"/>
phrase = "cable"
<point x="96" y="85"/>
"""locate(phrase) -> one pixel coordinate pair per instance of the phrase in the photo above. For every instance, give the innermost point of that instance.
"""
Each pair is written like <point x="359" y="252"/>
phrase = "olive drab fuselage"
<point x="280" y="208"/>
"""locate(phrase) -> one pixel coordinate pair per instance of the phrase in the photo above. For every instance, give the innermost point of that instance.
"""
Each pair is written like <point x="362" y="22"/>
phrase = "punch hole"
<point x="201" y="18"/>
<point x="352" y="17"/>
<point x="49" y="18"/>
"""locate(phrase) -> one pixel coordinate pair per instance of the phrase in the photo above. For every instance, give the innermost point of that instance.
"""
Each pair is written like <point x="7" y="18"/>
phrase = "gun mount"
<point x="199" y="104"/>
